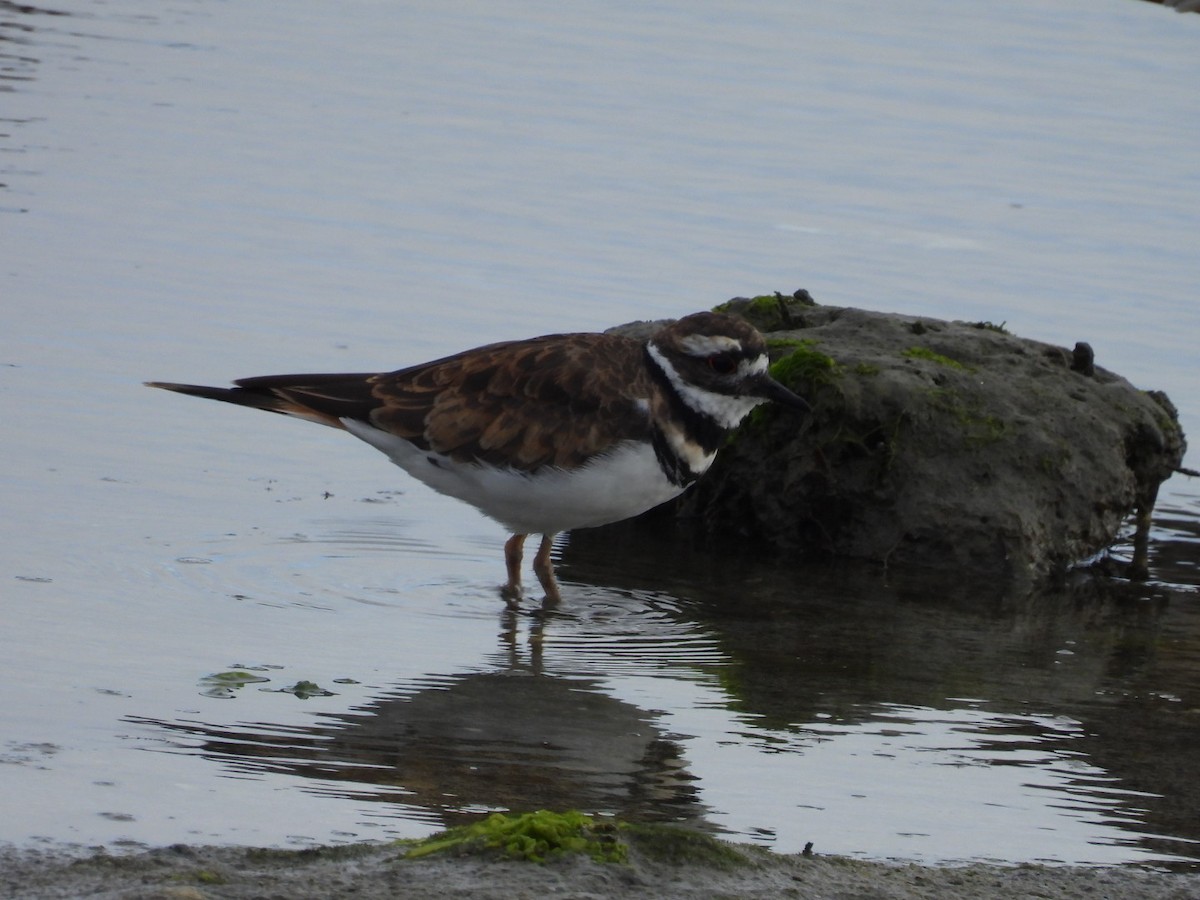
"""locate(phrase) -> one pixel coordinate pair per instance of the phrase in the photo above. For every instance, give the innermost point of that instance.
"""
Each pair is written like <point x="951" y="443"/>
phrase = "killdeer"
<point x="547" y="434"/>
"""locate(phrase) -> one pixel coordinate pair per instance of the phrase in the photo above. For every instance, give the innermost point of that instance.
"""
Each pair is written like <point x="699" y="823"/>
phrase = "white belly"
<point x="618" y="485"/>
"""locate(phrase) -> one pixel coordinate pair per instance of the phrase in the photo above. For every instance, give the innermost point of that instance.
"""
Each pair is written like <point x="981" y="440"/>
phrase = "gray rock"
<point x="947" y="445"/>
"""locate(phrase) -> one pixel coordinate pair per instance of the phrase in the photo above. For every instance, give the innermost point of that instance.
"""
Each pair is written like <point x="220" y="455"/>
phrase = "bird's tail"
<point x="300" y="395"/>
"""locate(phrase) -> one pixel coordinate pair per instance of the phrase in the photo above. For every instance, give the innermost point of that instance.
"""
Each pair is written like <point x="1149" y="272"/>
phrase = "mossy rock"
<point x="952" y="446"/>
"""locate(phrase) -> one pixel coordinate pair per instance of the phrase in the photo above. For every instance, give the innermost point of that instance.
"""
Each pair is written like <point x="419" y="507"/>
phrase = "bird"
<point x="546" y="434"/>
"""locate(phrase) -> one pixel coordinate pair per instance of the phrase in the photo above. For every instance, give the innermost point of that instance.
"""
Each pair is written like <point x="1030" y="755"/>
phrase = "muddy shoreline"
<point x="370" y="871"/>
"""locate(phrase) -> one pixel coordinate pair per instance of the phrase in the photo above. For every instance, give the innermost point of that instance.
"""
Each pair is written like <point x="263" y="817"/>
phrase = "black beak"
<point x="770" y="389"/>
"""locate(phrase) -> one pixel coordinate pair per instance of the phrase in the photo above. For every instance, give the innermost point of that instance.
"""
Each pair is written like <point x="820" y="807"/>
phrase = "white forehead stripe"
<point x="750" y="367"/>
<point x="708" y="344"/>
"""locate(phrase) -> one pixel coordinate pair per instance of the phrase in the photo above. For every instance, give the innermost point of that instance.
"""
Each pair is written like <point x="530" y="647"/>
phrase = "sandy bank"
<point x="377" y="871"/>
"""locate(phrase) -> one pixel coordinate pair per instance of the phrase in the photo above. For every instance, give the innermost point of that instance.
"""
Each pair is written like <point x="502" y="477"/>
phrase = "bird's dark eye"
<point x="722" y="363"/>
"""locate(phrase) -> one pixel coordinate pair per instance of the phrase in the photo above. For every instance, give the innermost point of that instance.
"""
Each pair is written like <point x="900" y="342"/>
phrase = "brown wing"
<point x="550" y="401"/>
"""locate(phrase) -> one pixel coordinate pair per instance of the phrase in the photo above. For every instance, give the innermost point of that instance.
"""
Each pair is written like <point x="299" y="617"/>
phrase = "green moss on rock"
<point x="770" y="312"/>
<point x="805" y="364"/>
<point x="978" y="427"/>
<point x="934" y="357"/>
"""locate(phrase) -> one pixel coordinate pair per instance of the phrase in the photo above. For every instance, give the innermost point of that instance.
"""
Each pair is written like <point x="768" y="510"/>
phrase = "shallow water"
<point x="202" y="191"/>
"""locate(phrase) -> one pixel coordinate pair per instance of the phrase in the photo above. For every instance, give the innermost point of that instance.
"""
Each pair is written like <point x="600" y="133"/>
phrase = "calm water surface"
<point x="200" y="191"/>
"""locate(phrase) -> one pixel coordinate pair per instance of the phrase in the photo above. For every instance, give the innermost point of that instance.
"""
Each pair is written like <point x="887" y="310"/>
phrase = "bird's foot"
<point x="512" y="594"/>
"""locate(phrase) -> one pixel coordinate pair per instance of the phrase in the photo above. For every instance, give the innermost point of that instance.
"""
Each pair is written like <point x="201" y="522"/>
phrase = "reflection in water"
<point x="515" y="738"/>
<point x="843" y="644"/>
<point x="1174" y="555"/>
<point x="1063" y="724"/>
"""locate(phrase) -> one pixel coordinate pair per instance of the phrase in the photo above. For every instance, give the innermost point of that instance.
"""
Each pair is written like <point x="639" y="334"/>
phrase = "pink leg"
<point x="514" y="549"/>
<point x="543" y="567"/>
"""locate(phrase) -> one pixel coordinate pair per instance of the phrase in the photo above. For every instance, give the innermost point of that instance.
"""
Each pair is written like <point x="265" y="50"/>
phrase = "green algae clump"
<point x="535" y="837"/>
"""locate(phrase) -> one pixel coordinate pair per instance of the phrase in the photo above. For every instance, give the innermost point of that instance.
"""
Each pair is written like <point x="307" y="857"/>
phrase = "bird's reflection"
<point x="515" y="737"/>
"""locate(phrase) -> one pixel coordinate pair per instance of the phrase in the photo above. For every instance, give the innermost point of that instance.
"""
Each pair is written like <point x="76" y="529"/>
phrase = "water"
<point x="200" y="191"/>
